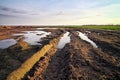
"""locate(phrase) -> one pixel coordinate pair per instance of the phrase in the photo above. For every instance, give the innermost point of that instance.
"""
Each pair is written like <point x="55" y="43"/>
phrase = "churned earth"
<point x="77" y="54"/>
<point x="80" y="60"/>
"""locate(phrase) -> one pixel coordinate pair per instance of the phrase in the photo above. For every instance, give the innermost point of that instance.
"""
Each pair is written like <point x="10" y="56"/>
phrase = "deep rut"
<point x="57" y="68"/>
<point x="78" y="60"/>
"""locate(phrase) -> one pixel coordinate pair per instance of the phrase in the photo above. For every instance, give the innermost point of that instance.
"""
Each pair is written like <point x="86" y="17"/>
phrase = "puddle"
<point x="64" y="40"/>
<point x="32" y="37"/>
<point x="7" y="43"/>
<point x="46" y="28"/>
<point x="87" y="32"/>
<point x="84" y="37"/>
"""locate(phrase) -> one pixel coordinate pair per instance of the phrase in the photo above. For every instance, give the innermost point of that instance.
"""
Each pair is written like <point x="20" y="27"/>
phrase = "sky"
<point x="59" y="12"/>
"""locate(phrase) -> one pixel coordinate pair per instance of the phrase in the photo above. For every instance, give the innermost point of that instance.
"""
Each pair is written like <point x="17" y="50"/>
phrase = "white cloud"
<point x="84" y="13"/>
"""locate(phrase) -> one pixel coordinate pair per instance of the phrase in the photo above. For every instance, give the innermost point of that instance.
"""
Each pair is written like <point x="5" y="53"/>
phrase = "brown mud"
<point x="7" y="31"/>
<point x="77" y="60"/>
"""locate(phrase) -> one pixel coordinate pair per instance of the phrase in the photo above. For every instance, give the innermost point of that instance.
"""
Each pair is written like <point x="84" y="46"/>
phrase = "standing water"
<point x="64" y="40"/>
<point x="6" y="43"/>
<point x="84" y="37"/>
<point x="32" y="37"/>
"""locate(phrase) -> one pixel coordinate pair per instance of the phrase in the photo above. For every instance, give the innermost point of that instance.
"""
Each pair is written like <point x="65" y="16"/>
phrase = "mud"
<point x="7" y="31"/>
<point x="14" y="56"/>
<point x="77" y="60"/>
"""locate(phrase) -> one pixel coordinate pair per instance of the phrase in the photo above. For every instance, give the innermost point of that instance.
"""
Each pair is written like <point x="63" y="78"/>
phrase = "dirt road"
<point x="79" y="60"/>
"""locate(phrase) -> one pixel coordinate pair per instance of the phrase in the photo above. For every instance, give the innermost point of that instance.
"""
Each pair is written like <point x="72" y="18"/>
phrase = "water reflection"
<point x="46" y="28"/>
<point x="32" y="37"/>
<point x="65" y="39"/>
<point x="6" y="43"/>
<point x="84" y="37"/>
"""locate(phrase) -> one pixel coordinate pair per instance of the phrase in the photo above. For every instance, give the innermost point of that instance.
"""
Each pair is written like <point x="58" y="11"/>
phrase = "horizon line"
<point x="64" y="25"/>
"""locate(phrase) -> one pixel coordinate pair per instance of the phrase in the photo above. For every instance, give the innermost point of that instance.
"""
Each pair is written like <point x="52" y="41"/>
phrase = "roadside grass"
<point x="105" y="27"/>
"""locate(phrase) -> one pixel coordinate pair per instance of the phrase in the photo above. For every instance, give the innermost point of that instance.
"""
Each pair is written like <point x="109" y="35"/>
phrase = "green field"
<point x="105" y="27"/>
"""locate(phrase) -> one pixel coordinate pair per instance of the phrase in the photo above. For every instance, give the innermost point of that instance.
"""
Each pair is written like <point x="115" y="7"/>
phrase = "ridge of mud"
<point x="42" y="64"/>
<point x="78" y="60"/>
<point x="28" y="64"/>
<point x="109" y="50"/>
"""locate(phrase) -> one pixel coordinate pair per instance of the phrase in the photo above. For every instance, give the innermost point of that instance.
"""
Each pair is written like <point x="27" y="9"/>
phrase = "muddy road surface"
<point x="76" y="54"/>
<point x="88" y="55"/>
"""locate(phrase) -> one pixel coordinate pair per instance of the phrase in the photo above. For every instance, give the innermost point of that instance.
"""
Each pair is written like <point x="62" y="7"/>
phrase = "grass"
<point x="105" y="27"/>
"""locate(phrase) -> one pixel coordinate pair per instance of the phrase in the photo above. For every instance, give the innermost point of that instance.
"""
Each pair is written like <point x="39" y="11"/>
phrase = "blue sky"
<point x="59" y="12"/>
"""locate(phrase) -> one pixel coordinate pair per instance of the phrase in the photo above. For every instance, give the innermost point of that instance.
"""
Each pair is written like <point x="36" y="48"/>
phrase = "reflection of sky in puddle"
<point x="32" y="37"/>
<point x="6" y="43"/>
<point x="87" y="32"/>
<point x="64" y="40"/>
<point x="46" y="28"/>
<point x="84" y="37"/>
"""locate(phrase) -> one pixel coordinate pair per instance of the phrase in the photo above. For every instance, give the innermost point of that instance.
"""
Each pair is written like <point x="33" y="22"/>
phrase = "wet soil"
<point x="77" y="60"/>
<point x="14" y="56"/>
<point x="7" y="31"/>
